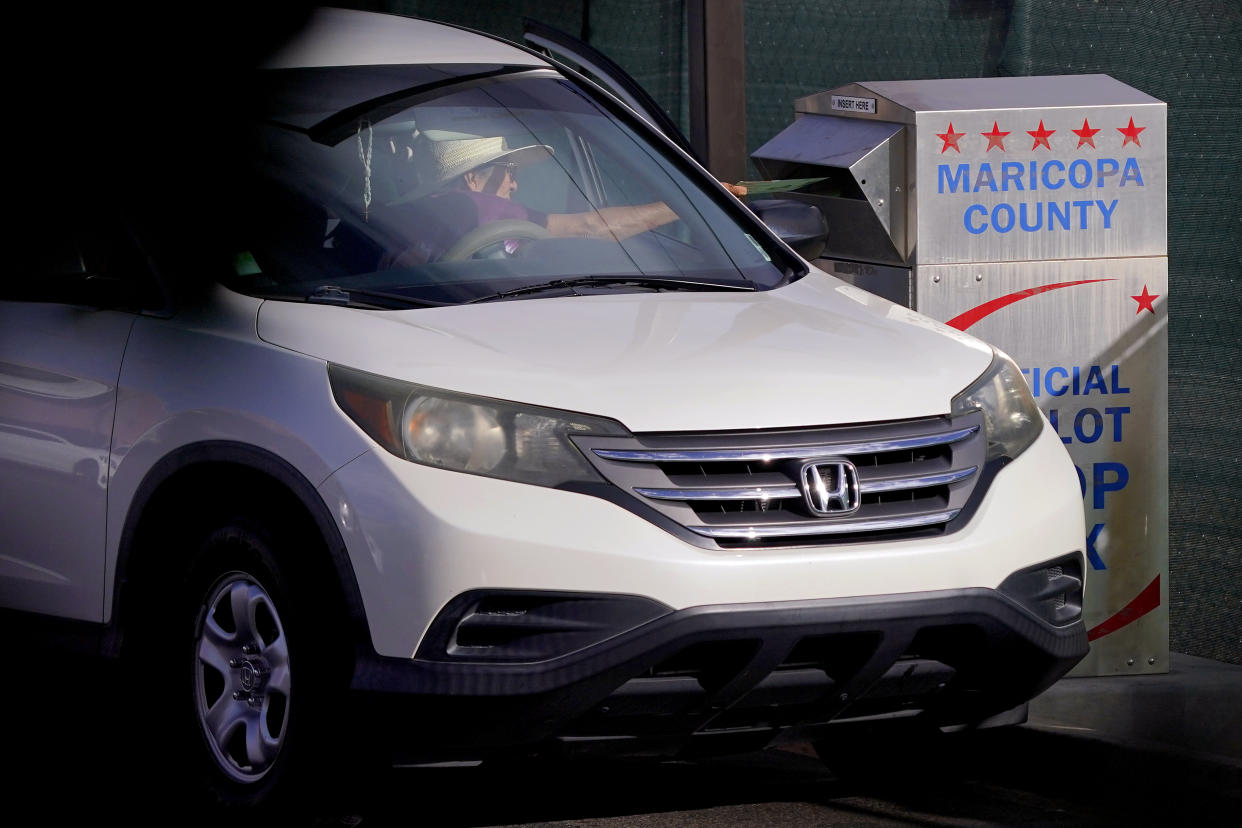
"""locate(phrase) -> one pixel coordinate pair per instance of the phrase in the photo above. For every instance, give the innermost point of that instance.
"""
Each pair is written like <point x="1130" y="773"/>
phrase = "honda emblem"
<point x="830" y="488"/>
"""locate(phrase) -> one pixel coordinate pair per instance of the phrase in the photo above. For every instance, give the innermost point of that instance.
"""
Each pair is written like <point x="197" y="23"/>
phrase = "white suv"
<point x="604" y="467"/>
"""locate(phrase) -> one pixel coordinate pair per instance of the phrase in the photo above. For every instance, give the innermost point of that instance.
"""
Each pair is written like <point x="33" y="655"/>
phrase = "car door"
<point x="557" y="44"/>
<point x="60" y="356"/>
<point x="802" y="226"/>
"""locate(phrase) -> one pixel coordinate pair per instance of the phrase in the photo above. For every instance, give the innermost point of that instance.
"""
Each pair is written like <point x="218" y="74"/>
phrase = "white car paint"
<point x="815" y="352"/>
<point x="200" y="474"/>
<point x="58" y="381"/>
<point x="206" y="376"/>
<point x="421" y="536"/>
<point x="251" y="371"/>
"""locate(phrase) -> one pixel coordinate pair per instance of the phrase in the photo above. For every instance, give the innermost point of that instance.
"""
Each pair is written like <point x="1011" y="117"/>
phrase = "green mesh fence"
<point x="647" y="38"/>
<point x="499" y="17"/>
<point x="1186" y="53"/>
<point x="798" y="47"/>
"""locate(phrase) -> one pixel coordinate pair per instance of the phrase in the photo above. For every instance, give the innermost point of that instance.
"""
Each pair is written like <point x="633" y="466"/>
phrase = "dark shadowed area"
<point x="135" y="108"/>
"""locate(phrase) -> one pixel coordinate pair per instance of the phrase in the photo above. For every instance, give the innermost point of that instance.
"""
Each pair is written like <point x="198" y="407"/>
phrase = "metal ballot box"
<point x="1030" y="212"/>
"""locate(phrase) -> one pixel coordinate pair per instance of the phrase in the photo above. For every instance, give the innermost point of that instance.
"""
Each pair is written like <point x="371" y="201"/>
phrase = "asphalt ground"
<point x="75" y="753"/>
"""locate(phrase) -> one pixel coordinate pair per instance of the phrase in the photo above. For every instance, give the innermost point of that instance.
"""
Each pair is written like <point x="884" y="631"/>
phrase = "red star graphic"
<point x="996" y="138"/>
<point x="1131" y="132"/>
<point x="950" y="139"/>
<point x="1041" y="136"/>
<point x="1145" y="301"/>
<point x="1086" y="135"/>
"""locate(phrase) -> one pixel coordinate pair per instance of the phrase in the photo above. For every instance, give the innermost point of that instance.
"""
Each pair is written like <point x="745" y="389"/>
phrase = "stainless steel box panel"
<point x="1025" y="184"/>
<point x="896" y="100"/>
<point x="1091" y="337"/>
<point x="865" y="197"/>
<point x="1018" y="169"/>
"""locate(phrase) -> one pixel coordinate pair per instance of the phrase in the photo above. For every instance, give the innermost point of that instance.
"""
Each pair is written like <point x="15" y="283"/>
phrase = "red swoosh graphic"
<point x="1143" y="603"/>
<point x="970" y="317"/>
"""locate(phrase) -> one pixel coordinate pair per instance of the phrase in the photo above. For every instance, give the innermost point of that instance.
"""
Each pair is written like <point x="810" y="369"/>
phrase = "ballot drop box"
<point x="1031" y="213"/>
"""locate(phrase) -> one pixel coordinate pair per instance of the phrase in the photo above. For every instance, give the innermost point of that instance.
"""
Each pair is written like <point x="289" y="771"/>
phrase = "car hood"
<point x="815" y="352"/>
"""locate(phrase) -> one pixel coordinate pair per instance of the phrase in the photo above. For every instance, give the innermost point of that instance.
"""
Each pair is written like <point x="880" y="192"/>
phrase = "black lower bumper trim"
<point x="737" y="674"/>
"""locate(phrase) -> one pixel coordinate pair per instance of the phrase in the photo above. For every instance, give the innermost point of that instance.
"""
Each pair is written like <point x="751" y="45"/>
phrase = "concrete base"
<point x="1196" y="708"/>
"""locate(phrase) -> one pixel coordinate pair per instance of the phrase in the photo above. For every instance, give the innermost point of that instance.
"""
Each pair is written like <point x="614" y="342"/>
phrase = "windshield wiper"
<point x="334" y="295"/>
<point x="607" y="281"/>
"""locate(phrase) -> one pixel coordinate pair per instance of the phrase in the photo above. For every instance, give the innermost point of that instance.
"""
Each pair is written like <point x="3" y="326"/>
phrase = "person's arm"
<point x="612" y="222"/>
<point x="619" y="222"/>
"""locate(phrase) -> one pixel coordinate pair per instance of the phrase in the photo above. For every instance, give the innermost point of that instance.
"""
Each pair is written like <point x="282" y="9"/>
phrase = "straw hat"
<point x="441" y="156"/>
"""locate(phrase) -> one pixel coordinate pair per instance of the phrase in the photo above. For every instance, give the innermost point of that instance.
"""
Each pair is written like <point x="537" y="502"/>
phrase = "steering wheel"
<point x="490" y="233"/>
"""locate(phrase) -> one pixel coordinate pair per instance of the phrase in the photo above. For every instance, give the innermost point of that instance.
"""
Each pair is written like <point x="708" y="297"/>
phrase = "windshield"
<point x="468" y="188"/>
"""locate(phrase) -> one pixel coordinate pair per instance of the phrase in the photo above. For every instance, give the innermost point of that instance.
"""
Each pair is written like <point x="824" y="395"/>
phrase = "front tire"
<point x="255" y="648"/>
<point x="243" y="680"/>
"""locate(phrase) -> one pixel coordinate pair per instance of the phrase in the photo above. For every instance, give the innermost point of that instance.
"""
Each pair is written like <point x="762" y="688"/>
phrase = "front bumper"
<point x="729" y="678"/>
<point x="417" y="537"/>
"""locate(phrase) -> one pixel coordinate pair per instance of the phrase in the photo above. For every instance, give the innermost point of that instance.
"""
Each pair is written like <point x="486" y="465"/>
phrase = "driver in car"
<point x="468" y="181"/>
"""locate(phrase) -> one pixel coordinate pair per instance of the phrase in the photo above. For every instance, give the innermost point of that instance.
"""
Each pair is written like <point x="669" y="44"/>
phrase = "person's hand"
<point x="736" y="189"/>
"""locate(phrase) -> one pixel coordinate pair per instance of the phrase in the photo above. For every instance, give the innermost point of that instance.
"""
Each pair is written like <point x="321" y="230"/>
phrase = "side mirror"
<point x="800" y="225"/>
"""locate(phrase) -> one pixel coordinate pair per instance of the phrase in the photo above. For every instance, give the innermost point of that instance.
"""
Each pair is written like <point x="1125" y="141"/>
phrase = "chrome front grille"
<point x="746" y="488"/>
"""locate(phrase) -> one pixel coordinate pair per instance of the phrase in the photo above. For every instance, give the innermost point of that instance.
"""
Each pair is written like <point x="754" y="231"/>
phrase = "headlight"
<point x="469" y="434"/>
<point x="1010" y="417"/>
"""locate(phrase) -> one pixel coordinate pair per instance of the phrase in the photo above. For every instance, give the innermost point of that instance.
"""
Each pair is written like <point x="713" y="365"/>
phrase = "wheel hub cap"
<point x="242" y="678"/>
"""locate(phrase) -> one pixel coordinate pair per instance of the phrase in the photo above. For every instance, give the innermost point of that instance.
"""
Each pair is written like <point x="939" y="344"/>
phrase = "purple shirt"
<point x="491" y="208"/>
